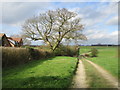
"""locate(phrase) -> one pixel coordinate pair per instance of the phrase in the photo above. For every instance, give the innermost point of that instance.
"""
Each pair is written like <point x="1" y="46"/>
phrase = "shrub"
<point x="87" y="55"/>
<point x="66" y="51"/>
<point x="94" y="52"/>
<point x="35" y="54"/>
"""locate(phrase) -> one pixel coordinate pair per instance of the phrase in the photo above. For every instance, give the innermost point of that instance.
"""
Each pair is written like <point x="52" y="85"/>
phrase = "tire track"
<point x="111" y="79"/>
<point x="79" y="80"/>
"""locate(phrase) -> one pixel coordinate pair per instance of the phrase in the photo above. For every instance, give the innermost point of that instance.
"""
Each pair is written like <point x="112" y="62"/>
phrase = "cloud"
<point x="16" y="13"/>
<point x="13" y="13"/>
<point x="97" y="31"/>
<point x="101" y="36"/>
<point x="109" y="0"/>
<point x="113" y="21"/>
<point x="98" y="13"/>
<point x="0" y="12"/>
<point x="60" y="1"/>
<point x="25" y="1"/>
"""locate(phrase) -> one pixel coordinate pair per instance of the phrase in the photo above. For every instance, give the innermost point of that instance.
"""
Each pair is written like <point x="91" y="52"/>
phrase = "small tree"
<point x="94" y="52"/>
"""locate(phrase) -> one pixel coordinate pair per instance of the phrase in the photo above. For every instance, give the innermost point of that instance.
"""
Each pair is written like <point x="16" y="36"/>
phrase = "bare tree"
<point x="53" y="27"/>
<point x="26" y="41"/>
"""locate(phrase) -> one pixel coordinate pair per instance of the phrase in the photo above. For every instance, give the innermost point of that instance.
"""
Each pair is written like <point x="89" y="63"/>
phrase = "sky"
<point x="99" y="17"/>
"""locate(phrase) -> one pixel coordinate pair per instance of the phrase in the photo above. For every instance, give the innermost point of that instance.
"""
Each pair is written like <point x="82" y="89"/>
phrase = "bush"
<point x="94" y="52"/>
<point x="35" y="54"/>
<point x="66" y="51"/>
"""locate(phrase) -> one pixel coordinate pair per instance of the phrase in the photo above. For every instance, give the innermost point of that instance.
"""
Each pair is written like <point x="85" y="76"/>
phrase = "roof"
<point x="11" y="43"/>
<point x="2" y="34"/>
<point x="15" y="39"/>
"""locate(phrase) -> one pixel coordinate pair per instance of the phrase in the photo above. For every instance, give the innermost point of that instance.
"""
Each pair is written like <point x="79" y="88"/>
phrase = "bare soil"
<point x="79" y="80"/>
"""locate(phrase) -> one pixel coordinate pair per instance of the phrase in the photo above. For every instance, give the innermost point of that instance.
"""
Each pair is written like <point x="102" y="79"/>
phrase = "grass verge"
<point x="54" y="72"/>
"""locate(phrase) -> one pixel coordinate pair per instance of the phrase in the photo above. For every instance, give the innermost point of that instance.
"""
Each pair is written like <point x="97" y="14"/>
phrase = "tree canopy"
<point x="54" y="26"/>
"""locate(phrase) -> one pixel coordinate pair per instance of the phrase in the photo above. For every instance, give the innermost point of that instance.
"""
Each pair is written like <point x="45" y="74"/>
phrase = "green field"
<point x="84" y="49"/>
<point x="107" y="58"/>
<point x="54" y="72"/>
<point x="57" y="72"/>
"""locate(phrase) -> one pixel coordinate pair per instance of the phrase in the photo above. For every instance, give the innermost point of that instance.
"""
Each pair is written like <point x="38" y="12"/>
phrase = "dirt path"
<point x="105" y="74"/>
<point x="79" y="80"/>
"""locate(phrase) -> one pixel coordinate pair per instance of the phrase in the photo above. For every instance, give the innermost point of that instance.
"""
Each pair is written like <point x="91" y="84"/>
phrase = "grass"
<point x="108" y="59"/>
<point x="54" y="72"/>
<point x="95" y="80"/>
<point x="84" y="49"/>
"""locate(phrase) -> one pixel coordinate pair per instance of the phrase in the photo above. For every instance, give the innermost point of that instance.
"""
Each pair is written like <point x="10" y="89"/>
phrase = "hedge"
<point x="14" y="56"/>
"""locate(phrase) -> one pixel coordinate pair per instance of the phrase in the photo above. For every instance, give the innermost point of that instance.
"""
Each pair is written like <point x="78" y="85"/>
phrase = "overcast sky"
<point x="100" y="18"/>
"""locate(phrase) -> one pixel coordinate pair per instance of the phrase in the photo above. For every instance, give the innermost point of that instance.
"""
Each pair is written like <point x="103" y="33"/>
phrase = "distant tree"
<point x="53" y="27"/>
